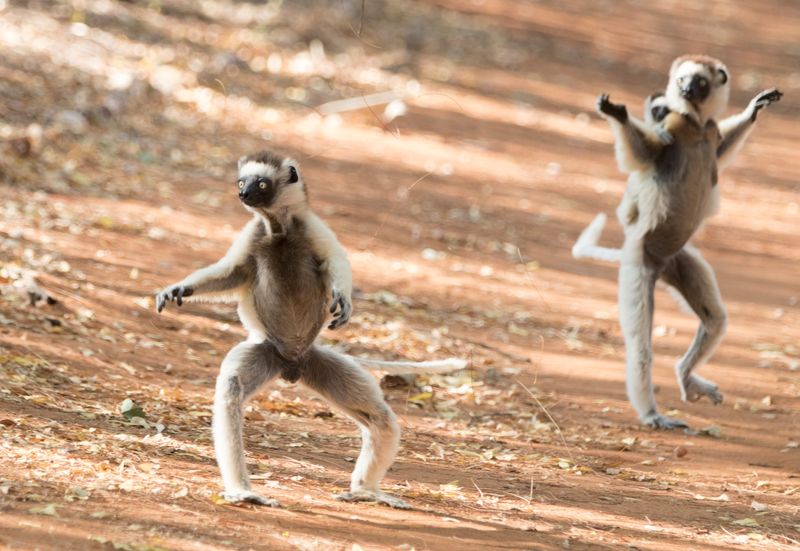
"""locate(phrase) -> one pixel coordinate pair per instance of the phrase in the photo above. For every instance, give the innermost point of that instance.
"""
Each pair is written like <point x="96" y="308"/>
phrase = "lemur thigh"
<point x="349" y="387"/>
<point x="693" y="277"/>
<point x="244" y="370"/>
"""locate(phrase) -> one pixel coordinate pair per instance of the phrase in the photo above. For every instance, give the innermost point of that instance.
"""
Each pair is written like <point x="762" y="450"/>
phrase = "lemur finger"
<point x="771" y="95"/>
<point x="336" y="300"/>
<point x="160" y="302"/>
<point x="336" y="323"/>
<point x="341" y="317"/>
<point x="613" y="110"/>
<point x="602" y="99"/>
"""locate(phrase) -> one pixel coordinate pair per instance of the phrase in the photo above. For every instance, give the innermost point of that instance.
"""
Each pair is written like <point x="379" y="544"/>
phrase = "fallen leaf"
<point x="49" y="510"/>
<point x="712" y="431"/>
<point x="130" y="410"/>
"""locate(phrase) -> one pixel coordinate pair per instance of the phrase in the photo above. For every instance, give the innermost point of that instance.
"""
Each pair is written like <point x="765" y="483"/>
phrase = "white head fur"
<point x="284" y="187"/>
<point x="695" y="71"/>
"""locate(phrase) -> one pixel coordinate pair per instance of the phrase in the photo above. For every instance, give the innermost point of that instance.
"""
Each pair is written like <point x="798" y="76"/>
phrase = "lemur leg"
<point x="338" y="379"/>
<point x="244" y="370"/>
<point x="637" y="279"/>
<point x="694" y="278"/>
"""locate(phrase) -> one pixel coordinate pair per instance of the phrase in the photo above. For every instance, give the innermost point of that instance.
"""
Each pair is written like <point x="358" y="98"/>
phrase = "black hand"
<point x="180" y="292"/>
<point x="613" y="110"/>
<point x="765" y="98"/>
<point x="175" y="293"/>
<point x="342" y="304"/>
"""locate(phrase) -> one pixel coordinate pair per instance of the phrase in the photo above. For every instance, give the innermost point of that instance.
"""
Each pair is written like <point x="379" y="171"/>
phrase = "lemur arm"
<point x="736" y="129"/>
<point x="635" y="144"/>
<point x="337" y="266"/>
<point x="220" y="280"/>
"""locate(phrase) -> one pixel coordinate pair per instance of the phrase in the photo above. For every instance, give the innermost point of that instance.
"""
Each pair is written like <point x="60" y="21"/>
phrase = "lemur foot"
<point x="341" y="308"/>
<point x="174" y="292"/>
<point x="248" y="496"/>
<point x="695" y="388"/>
<point x="764" y="99"/>
<point x="373" y="497"/>
<point x="658" y="421"/>
<point x="613" y="110"/>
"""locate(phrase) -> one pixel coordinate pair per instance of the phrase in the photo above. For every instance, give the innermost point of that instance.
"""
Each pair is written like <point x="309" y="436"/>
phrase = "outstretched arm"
<point x="221" y="279"/>
<point x="736" y="129"/>
<point x="328" y="248"/>
<point x="636" y="146"/>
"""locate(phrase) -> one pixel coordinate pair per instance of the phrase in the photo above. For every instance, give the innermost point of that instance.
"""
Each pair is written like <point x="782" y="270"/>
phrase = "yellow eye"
<point x="262" y="185"/>
<point x="241" y="184"/>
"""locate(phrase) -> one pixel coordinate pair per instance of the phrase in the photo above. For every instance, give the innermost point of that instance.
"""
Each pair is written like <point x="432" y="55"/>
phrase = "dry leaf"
<point x="49" y="510"/>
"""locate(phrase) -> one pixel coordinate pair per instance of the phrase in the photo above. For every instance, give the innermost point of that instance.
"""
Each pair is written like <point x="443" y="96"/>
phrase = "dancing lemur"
<point x="287" y="271"/>
<point x="641" y="206"/>
<point x="672" y="188"/>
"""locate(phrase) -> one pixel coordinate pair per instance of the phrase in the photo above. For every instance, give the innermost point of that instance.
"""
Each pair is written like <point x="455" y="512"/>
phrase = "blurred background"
<point x="453" y="147"/>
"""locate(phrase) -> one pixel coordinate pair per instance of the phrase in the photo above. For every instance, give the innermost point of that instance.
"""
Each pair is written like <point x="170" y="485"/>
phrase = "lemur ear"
<point x="293" y="177"/>
<point x="242" y="161"/>
<point x="723" y="75"/>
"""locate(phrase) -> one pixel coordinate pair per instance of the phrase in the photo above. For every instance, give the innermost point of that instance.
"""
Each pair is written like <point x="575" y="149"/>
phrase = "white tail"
<point x="399" y="368"/>
<point x="586" y="246"/>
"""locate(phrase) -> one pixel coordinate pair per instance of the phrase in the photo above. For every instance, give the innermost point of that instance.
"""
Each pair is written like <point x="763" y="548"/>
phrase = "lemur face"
<point x="702" y="82"/>
<point x="267" y="181"/>
<point x="655" y="108"/>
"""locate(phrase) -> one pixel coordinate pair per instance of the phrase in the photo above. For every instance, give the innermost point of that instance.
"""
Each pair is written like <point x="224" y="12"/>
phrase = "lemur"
<point x="641" y="205"/>
<point x="675" y="162"/>
<point x="287" y="271"/>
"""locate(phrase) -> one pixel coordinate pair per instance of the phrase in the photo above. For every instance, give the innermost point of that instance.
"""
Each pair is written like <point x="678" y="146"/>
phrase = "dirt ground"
<point x="120" y="124"/>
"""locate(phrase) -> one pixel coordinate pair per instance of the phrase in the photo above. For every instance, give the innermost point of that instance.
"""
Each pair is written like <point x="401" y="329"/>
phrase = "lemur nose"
<point x="243" y="194"/>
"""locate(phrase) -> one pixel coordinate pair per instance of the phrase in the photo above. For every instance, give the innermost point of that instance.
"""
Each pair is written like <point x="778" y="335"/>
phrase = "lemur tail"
<point x="399" y="368"/>
<point x="586" y="246"/>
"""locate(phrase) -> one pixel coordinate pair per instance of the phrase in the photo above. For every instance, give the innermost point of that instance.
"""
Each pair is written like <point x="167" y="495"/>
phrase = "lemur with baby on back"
<point x="673" y="160"/>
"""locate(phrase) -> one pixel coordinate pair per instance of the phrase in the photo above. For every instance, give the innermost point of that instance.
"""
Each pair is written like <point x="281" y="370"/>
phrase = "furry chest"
<point x="290" y="296"/>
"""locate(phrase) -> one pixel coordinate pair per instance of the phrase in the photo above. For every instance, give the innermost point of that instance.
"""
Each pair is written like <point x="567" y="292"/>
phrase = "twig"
<point x="224" y="93"/>
<point x="787" y="538"/>
<point x="544" y="409"/>
<point x="377" y="118"/>
<point x="480" y="492"/>
<point x="361" y="21"/>
<point x="448" y="96"/>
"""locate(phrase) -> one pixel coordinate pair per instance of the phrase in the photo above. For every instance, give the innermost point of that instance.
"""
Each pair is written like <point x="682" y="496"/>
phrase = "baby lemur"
<point x="287" y="271"/>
